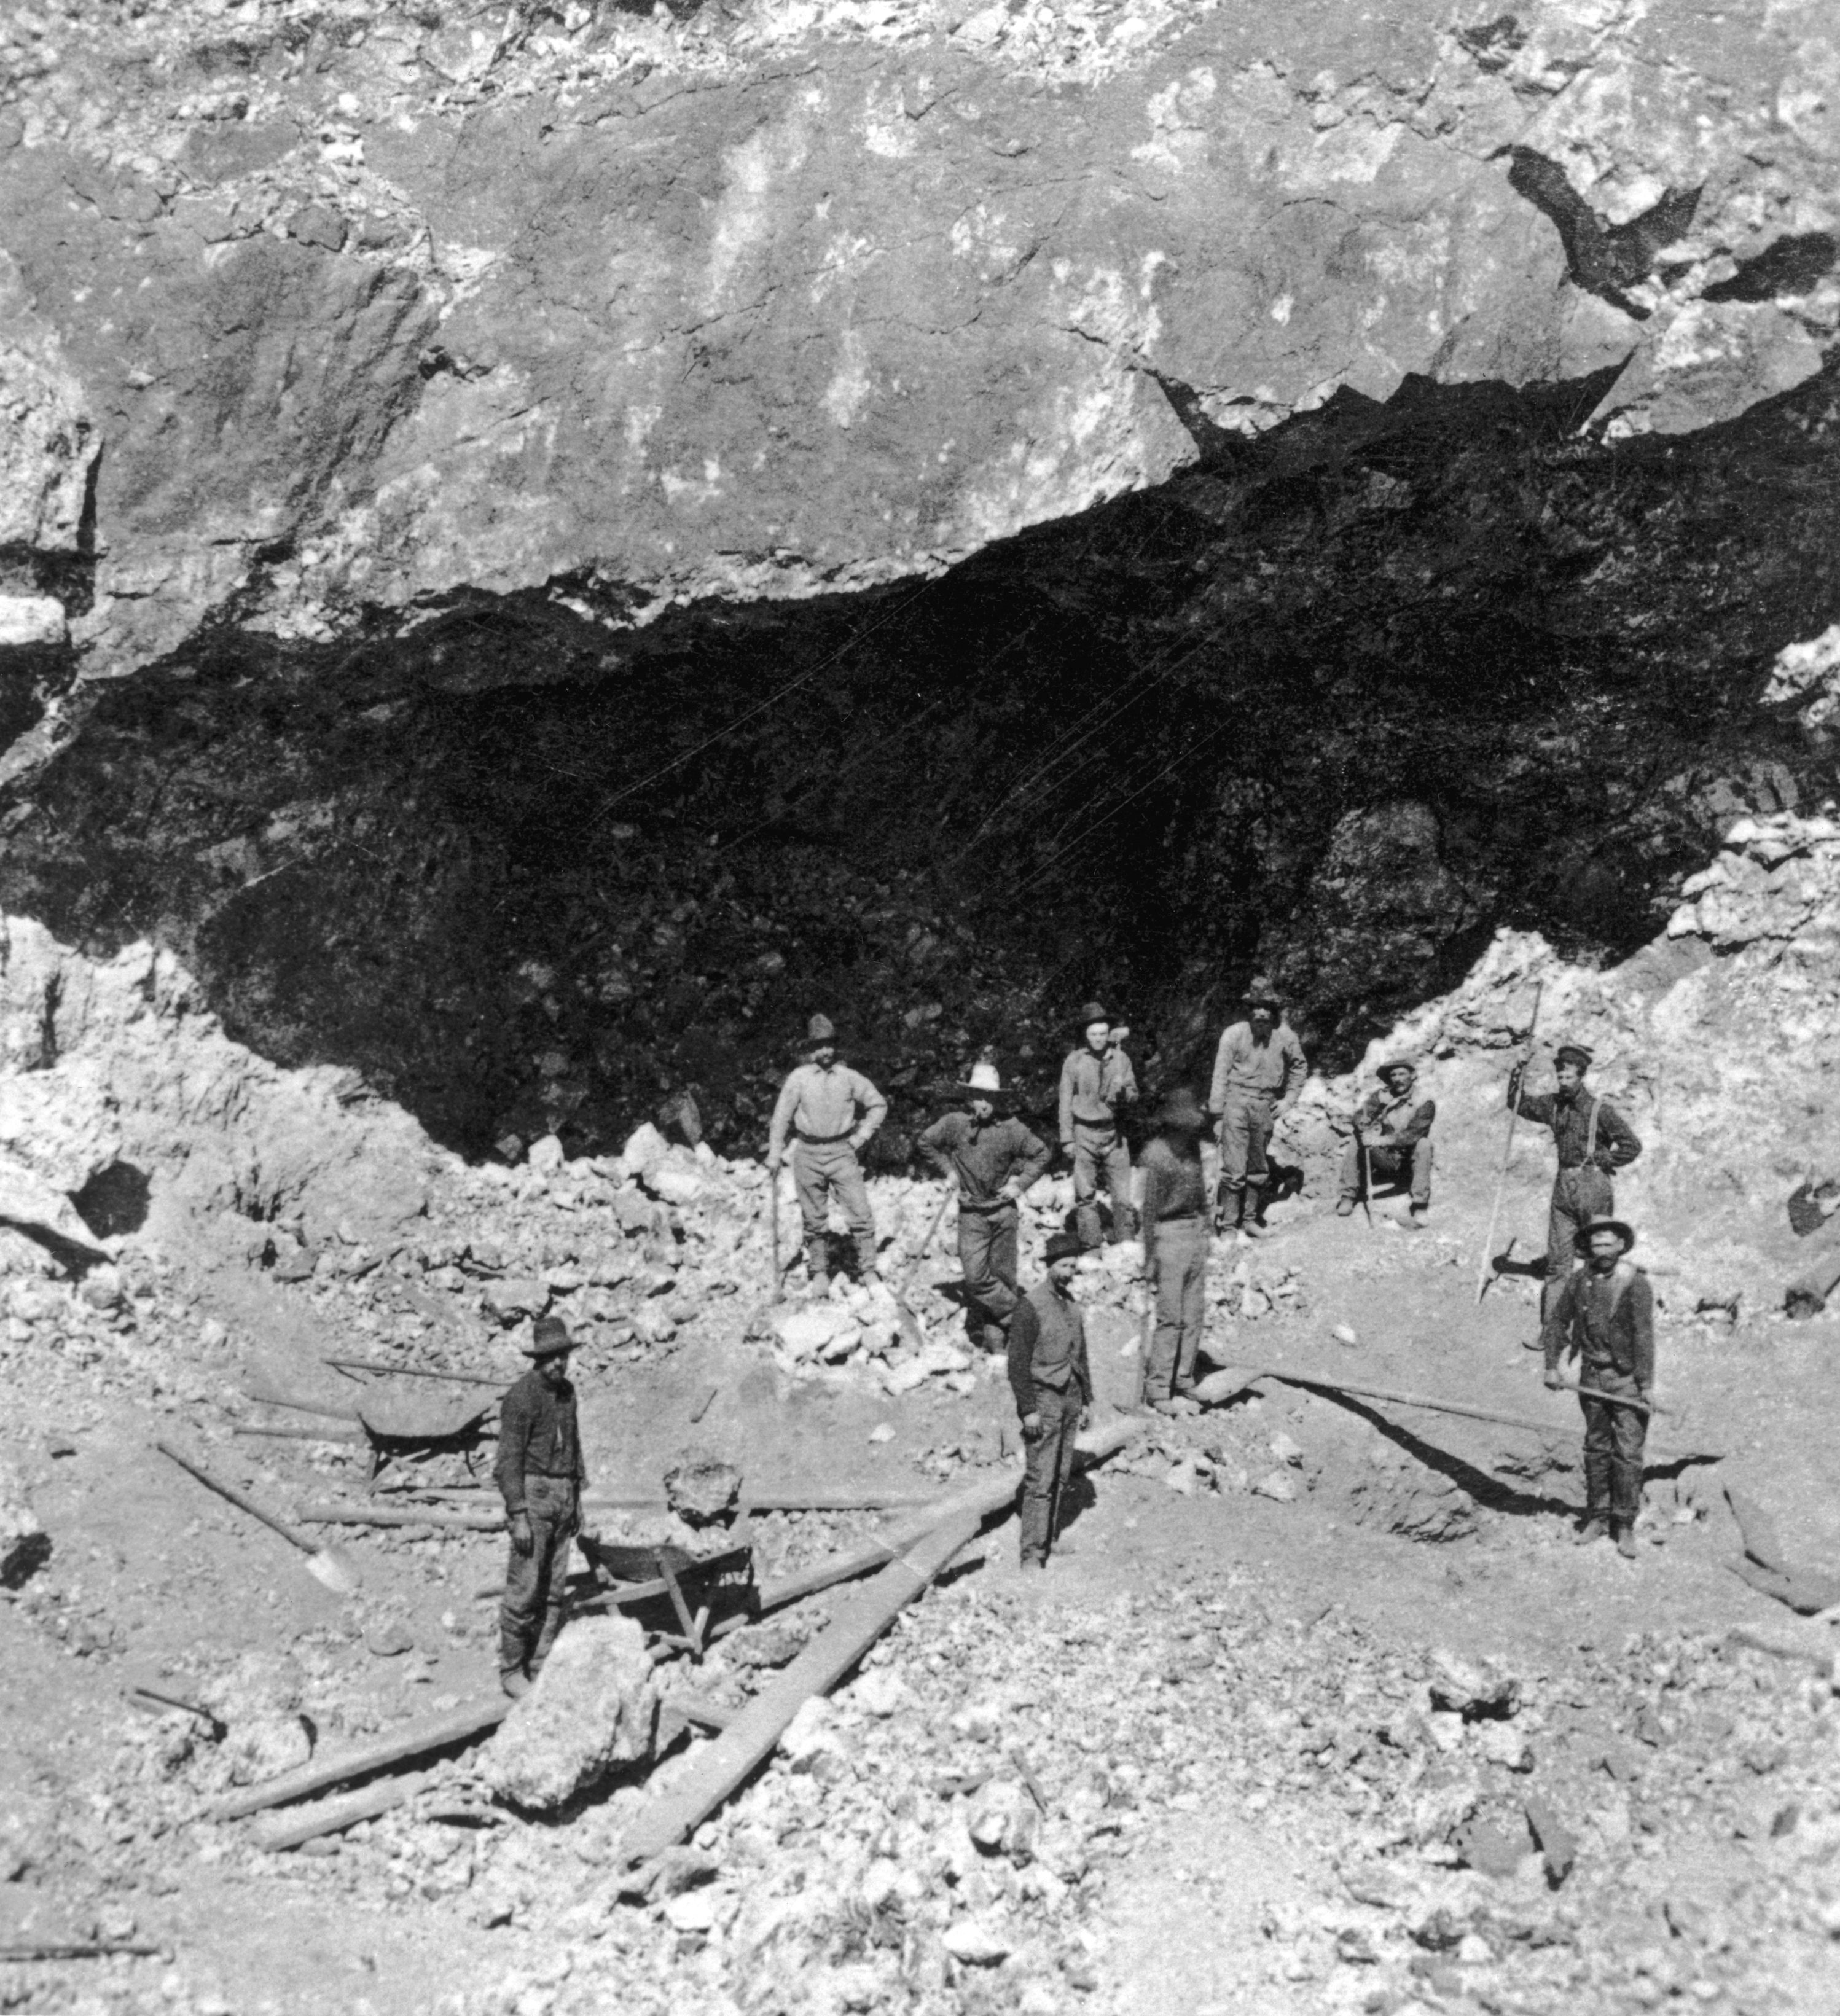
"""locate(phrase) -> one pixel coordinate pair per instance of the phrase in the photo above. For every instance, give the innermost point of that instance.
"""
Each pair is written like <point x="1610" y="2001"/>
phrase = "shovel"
<point x="910" y="1327"/>
<point x="327" y="1565"/>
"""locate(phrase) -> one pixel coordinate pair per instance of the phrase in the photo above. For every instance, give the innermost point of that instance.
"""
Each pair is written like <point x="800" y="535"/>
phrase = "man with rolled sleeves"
<point x="1393" y="1129"/>
<point x="1604" y="1313"/>
<point x="830" y="1111"/>
<point x="993" y="1161"/>
<point x="1096" y="1082"/>
<point x="1175" y="1247"/>
<point x="1052" y="1379"/>
<point x="1592" y="1140"/>
<point x="541" y="1475"/>
<point x="1258" y="1073"/>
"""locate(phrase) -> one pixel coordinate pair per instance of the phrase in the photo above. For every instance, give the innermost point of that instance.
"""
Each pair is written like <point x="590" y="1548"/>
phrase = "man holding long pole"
<point x="1604" y="1312"/>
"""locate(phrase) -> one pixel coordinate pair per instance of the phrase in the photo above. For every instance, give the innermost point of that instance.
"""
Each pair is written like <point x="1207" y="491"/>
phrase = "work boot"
<point x="1594" y="1527"/>
<point x="515" y="1683"/>
<point x="1625" y="1542"/>
<point x="817" y="1264"/>
<point x="1415" y="1218"/>
<point x="1344" y="1207"/>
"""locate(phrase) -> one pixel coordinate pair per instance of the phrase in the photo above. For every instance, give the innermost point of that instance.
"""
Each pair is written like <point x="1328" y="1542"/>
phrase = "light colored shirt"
<point x="1242" y="1063"/>
<point x="1093" y="1088"/>
<point x="834" y="1105"/>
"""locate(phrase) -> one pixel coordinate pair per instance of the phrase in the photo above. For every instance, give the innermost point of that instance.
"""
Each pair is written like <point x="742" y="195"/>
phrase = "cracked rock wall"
<point x="346" y="309"/>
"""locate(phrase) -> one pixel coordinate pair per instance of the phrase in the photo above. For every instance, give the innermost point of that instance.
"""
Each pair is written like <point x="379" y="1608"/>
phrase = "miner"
<point x="1592" y="1141"/>
<point x="993" y="1160"/>
<point x="1175" y="1247"/>
<point x="1259" y="1073"/>
<point x="1052" y="1379"/>
<point x="1393" y="1137"/>
<point x="1604" y="1313"/>
<point x="541" y="1475"/>
<point x="830" y="1111"/>
<point x="1096" y="1082"/>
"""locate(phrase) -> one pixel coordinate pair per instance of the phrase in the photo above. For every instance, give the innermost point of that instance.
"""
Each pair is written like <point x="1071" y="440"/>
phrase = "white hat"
<point x="984" y="1078"/>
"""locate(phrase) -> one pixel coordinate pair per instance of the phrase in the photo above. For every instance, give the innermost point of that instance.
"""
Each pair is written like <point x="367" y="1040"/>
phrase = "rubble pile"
<point x="955" y="1829"/>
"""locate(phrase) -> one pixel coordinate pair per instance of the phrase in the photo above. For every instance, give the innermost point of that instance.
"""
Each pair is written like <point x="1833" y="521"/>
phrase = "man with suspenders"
<point x="1604" y="1312"/>
<point x="1592" y="1140"/>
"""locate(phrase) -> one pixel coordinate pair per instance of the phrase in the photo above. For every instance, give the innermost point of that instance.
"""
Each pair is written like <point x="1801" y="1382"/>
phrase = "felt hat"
<point x="819" y="1031"/>
<point x="1180" y="1110"/>
<point x="549" y="1337"/>
<point x="1261" y="992"/>
<point x="1398" y="1064"/>
<point x="982" y="1081"/>
<point x="1582" y="1238"/>
<point x="1063" y="1246"/>
<point x="1094" y="1011"/>
<point x="1573" y="1053"/>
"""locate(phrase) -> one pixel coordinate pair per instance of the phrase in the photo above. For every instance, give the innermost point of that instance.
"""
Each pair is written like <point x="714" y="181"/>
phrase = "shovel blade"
<point x="334" y="1571"/>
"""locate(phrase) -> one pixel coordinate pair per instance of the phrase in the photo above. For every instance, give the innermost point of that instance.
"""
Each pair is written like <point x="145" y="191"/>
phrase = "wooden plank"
<point x="750" y="1739"/>
<point x="334" y="1816"/>
<point x="415" y="1741"/>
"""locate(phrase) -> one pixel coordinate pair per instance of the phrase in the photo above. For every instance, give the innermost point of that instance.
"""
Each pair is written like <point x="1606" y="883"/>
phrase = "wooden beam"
<point x="415" y="1741"/>
<point x="750" y="1738"/>
<point x="334" y="1816"/>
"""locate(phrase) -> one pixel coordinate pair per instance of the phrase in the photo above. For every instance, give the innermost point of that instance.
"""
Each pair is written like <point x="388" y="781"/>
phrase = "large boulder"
<point x="594" y="1705"/>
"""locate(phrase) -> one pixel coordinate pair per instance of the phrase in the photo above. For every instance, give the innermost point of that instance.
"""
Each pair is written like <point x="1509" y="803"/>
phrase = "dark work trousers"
<point x="1613" y="1442"/>
<point x="530" y="1608"/>
<point x="1246" y="1121"/>
<point x="1180" y="1257"/>
<point x="1389" y="1166"/>
<point x="987" y="1253"/>
<point x="1578" y="1195"/>
<point x="819" y="1167"/>
<point x="1049" y="1464"/>
<point x="1097" y="1151"/>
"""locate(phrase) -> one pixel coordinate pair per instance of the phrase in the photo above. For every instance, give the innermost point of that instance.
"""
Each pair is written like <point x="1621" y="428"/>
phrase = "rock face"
<point x="594" y="1706"/>
<point x="1312" y="488"/>
<point x="369" y="311"/>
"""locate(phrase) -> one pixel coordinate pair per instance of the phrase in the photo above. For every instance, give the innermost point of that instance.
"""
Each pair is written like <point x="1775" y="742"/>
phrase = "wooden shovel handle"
<point x="236" y="1498"/>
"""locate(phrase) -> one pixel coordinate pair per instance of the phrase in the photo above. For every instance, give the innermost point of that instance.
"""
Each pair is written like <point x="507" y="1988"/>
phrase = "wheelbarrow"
<point x="401" y="1424"/>
<point x="666" y="1581"/>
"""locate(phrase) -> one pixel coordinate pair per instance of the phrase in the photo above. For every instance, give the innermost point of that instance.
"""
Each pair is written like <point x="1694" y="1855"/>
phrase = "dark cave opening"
<point x="1339" y="702"/>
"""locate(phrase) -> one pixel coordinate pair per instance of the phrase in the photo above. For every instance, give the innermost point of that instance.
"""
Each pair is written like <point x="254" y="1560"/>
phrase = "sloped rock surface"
<point x="372" y="308"/>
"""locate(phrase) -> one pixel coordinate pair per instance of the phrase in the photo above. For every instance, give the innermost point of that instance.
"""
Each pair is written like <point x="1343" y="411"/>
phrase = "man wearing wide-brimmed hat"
<point x="540" y="1474"/>
<point x="1393" y="1136"/>
<point x="830" y="1111"/>
<point x="1592" y="1140"/>
<point x="1051" y="1376"/>
<point x="1605" y="1313"/>
<point x="993" y="1160"/>
<point x="1175" y="1247"/>
<point x="1259" y="1073"/>
<point x="1096" y="1082"/>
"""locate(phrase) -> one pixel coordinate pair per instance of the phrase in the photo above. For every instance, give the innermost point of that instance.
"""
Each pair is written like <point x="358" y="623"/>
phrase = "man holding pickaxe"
<point x="1604" y="1313"/>
<point x="1593" y="1141"/>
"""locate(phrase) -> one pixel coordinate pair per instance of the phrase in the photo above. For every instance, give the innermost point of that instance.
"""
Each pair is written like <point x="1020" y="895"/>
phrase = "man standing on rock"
<point x="541" y="1475"/>
<point x="1258" y="1073"/>
<point x="994" y="1162"/>
<point x="1393" y="1136"/>
<point x="1175" y="1247"/>
<point x="1592" y="1141"/>
<point x="1605" y="1313"/>
<point x="830" y="1110"/>
<point x="1095" y="1081"/>
<point x="1052" y="1379"/>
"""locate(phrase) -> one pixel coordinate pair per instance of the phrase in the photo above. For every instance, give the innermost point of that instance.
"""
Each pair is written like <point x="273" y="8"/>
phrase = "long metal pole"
<point x="1507" y="1155"/>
